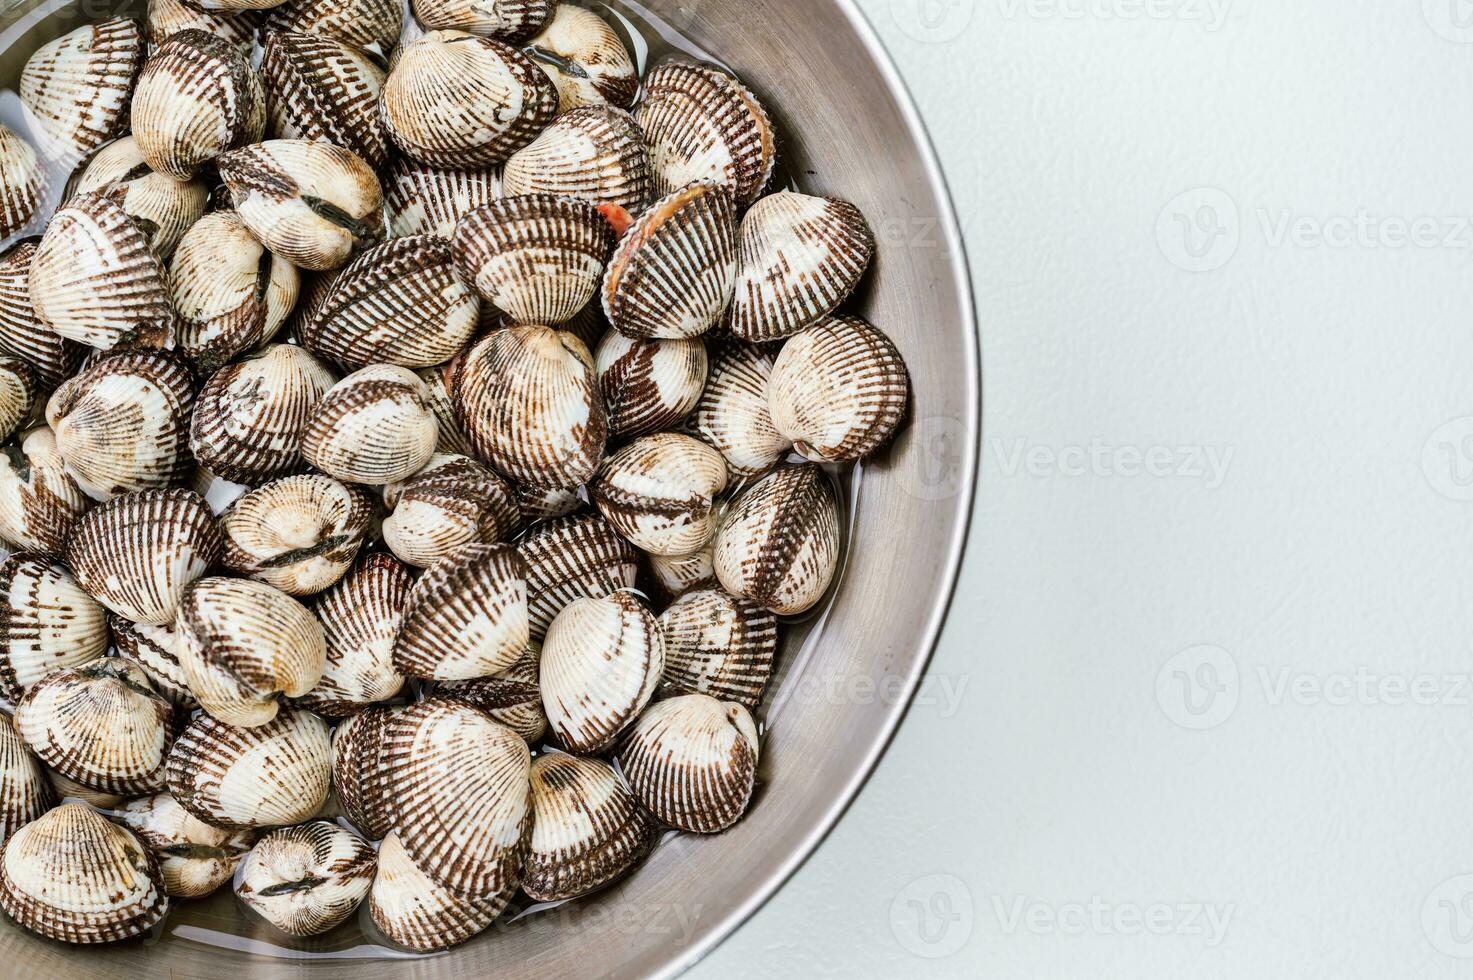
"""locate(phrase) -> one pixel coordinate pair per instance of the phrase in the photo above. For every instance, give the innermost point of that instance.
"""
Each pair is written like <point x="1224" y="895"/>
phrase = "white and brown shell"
<point x="537" y="257"/>
<point x="122" y="425"/>
<point x="298" y="534"/>
<point x="595" y="153"/>
<point x="194" y="858"/>
<point x="321" y="89"/>
<point x="732" y="414"/>
<point x="718" y="644"/>
<point x="692" y="761"/>
<point x="163" y="206"/>
<point x="357" y="22"/>
<point x="25" y="792"/>
<point x="71" y="791"/>
<point x="570" y="558"/>
<point x="168" y="17"/>
<point x="838" y="390"/>
<point x="413" y="910"/>
<point x="600" y="663"/>
<point x="196" y="97"/>
<point x="452" y="437"/>
<point x="430" y="200"/>
<point x="22" y="182"/>
<point x="675" y="575"/>
<point x="453" y="501"/>
<point x="360" y="618"/>
<point x="457" y="100"/>
<point x="20" y="389"/>
<point x="505" y="20"/>
<point x="511" y="697"/>
<point x="375" y="426"/>
<point x="307" y="879"/>
<point x="585" y="58"/>
<point x="47" y="622"/>
<point x="243" y="644"/>
<point x="241" y="778"/>
<point x="77" y="87"/>
<point x="22" y="334"/>
<point x="360" y="771"/>
<point x="249" y="417"/>
<point x="74" y="876"/>
<point x="542" y="503"/>
<point x="779" y="542"/>
<point x="704" y="125"/>
<point x="96" y="280"/>
<point x="137" y="553"/>
<point x="660" y="492"/>
<point x="528" y="398"/>
<point x="800" y="257"/>
<point x="466" y="616"/>
<point x="649" y="385"/>
<point x="154" y="648"/>
<point x="588" y="830"/>
<point x="313" y="204"/>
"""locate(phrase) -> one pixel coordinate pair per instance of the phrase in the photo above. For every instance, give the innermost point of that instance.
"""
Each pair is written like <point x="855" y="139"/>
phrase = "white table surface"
<point x="1203" y="706"/>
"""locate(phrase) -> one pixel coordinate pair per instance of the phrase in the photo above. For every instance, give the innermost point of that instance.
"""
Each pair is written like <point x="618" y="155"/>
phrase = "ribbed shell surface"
<point x="505" y="20"/>
<point x="570" y="558"/>
<point x="466" y="616"/>
<point x="461" y="796"/>
<point x="20" y="387"/>
<point x="137" y="553"/>
<point x="39" y="499"/>
<point x="511" y="697"/>
<point x="360" y="771"/>
<point x="453" y="501"/>
<point x="585" y="58"/>
<point x="600" y="663"/>
<point x="164" y="207"/>
<point x="660" y="492"/>
<point x="452" y="437"/>
<point x="77" y="87"/>
<point x="732" y="414"/>
<point x="21" y="182"/>
<point x="321" y="89"/>
<point x="22" y="334"/>
<point x="307" y="879"/>
<point x="298" y="534"/>
<point x="25" y="792"/>
<point x="649" y="385"/>
<point x="676" y="575"/>
<point x="718" y="644"/>
<point x="154" y="649"/>
<point x="74" y="876"/>
<point x="240" y="778"/>
<point x="588" y="829"/>
<point x="194" y="858"/>
<point x="429" y="200"/>
<point x="800" y="257"/>
<point x="540" y="504"/>
<point x="411" y="909"/>
<point x="375" y="426"/>
<point x="47" y="622"/>
<point x="779" y="543"/>
<point x="457" y="100"/>
<point x="593" y="153"/>
<point x="168" y="17"/>
<point x="360" y="618"/>
<point x="692" y="761"/>
<point x="356" y="22"/>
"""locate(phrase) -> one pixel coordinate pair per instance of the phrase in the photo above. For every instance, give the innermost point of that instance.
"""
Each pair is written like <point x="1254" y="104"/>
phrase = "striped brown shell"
<point x="412" y="910"/>
<point x="692" y="761"/>
<point x="457" y="100"/>
<point x="25" y="792"/>
<point x="800" y="257"/>
<point x="704" y="125"/>
<point x="47" y="622"/>
<point x="660" y="492"/>
<point x="375" y="426"/>
<point x="649" y="385"/>
<point x="466" y="616"/>
<point x="168" y="17"/>
<point x="194" y="858"/>
<point x="585" y="58"/>
<point x="452" y="437"/>
<point x="77" y="87"/>
<point x="570" y="558"/>
<point x="39" y="499"/>
<point x="718" y="644"/>
<point x="20" y="389"/>
<point x="595" y="153"/>
<point x="675" y="575"/>
<point x="511" y="697"/>
<point x="588" y="829"/>
<point x="240" y="778"/>
<point x="196" y="97"/>
<point x="164" y="207"/>
<point x="137" y="553"/>
<point x="307" y="879"/>
<point x="321" y="89"/>
<point x="779" y="542"/>
<point x="732" y="414"/>
<point x="298" y="534"/>
<point x="154" y="648"/>
<point x="542" y="503"/>
<point x="74" y="876"/>
<point x="360" y="618"/>
<point x="357" y="22"/>
<point x="537" y="257"/>
<point x="22" y="334"/>
<point x="505" y="20"/>
<point x="453" y="501"/>
<point x="360" y="771"/>
<point x="429" y="200"/>
<point x="22" y="182"/>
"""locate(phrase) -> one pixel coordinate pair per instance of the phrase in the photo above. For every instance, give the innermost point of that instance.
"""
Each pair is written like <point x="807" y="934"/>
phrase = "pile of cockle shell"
<point x="333" y="539"/>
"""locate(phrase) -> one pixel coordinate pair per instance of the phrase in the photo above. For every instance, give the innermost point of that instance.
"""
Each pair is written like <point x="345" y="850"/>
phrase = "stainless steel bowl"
<point x="849" y="129"/>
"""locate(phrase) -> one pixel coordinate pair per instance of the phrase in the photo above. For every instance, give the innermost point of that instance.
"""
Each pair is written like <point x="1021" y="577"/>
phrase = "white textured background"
<point x="1203" y="705"/>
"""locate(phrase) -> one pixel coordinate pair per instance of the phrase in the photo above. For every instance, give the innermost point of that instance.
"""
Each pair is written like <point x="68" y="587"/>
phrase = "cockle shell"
<point x="298" y="534"/>
<point x="122" y="425"/>
<point x="416" y="912"/>
<point x="193" y="857"/>
<point x="25" y="792"/>
<point x="20" y="387"/>
<point x="538" y="257"/>
<point x="570" y="558"/>
<point x="529" y="400"/>
<point x="585" y="59"/>
<point x="600" y="663"/>
<point x="397" y="303"/>
<point x="452" y="437"/>
<point x="800" y="257"/>
<point x="732" y="414"/>
<point x="466" y="616"/>
<point x="360" y="618"/>
<point x="594" y="153"/>
<point x="539" y="503"/>
<point x="779" y="542"/>
<point x="511" y="697"/>
<point x="22" y="334"/>
<point x="457" y="100"/>
<point x="718" y="644"/>
<point x="321" y="89"/>
<point x="360" y="771"/>
<point x="692" y="761"/>
<point x="39" y="500"/>
<point x="164" y="207"/>
<point x="375" y="426"/>
<point x="47" y="623"/>
<point x="196" y="97"/>
<point x="77" y="87"/>
<point x="168" y="17"/>
<point x="22" y="182"/>
<point x="250" y="415"/>
<point x="236" y="4"/>
<point x="231" y="294"/>
<point x="453" y="501"/>
<point x="704" y="125"/>
<point x="307" y="879"/>
<point x="505" y="20"/>
<point x="242" y="643"/>
<point x="838" y="390"/>
<point x="137" y="553"/>
<point x="100" y="723"/>
<point x="429" y="201"/>
<point x="588" y="829"/>
<point x="154" y="648"/>
<point x="675" y="575"/>
<point x="74" y="876"/>
<point x="461" y="798"/>
<point x="96" y="280"/>
<point x="660" y="492"/>
<point x="311" y="203"/>
<point x="239" y="778"/>
<point x="359" y="23"/>
<point x="649" y="385"/>
<point x="69" y="791"/>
